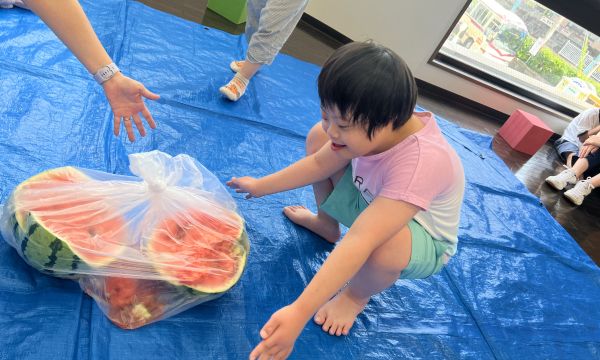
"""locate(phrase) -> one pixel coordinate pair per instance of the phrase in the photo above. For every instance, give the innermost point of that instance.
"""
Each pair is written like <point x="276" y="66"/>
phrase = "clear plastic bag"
<point x="144" y="247"/>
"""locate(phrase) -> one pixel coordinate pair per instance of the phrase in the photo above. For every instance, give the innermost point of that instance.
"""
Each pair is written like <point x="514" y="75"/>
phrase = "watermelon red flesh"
<point x="133" y="302"/>
<point x="50" y="178"/>
<point x="200" y="251"/>
<point x="120" y="291"/>
<point x="129" y="303"/>
<point x="95" y="236"/>
<point x="55" y="211"/>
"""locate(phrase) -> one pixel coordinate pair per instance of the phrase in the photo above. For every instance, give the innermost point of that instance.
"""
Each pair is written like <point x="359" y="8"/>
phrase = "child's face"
<point x="349" y="139"/>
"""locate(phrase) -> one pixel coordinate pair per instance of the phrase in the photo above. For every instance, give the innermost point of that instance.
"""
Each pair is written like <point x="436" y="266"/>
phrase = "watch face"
<point x="106" y="73"/>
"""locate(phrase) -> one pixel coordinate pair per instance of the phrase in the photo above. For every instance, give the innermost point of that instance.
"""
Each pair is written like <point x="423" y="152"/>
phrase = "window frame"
<point x="489" y="81"/>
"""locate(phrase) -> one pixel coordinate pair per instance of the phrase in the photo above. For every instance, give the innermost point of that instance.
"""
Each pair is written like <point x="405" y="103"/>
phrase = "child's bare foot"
<point x="338" y="315"/>
<point x="300" y="215"/>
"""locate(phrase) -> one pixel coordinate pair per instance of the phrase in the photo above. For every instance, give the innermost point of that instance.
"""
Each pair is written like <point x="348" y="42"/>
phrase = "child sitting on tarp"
<point x="383" y="171"/>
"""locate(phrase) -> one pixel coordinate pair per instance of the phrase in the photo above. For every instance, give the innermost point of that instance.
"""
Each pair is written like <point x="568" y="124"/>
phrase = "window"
<point x="527" y="49"/>
<point x="480" y="14"/>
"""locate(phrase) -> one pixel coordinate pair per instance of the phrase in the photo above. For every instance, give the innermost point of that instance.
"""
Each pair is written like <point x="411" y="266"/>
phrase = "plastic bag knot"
<point x="156" y="186"/>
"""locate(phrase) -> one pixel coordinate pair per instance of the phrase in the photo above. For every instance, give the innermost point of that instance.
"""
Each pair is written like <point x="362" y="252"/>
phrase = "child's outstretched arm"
<point x="125" y="95"/>
<point x="311" y="169"/>
<point x="372" y="228"/>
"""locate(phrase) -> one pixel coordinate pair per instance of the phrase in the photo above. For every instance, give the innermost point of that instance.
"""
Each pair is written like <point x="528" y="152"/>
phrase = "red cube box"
<point x="525" y="132"/>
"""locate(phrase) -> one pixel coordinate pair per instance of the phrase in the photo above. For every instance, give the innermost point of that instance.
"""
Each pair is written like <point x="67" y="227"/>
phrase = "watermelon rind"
<point x="45" y="252"/>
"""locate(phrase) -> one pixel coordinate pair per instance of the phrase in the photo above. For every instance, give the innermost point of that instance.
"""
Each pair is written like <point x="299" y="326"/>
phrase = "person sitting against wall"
<point x="579" y="130"/>
<point x="588" y="158"/>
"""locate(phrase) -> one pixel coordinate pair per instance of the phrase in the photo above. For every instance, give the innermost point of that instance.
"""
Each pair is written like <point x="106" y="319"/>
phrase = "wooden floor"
<point x="582" y="222"/>
<point x="309" y="44"/>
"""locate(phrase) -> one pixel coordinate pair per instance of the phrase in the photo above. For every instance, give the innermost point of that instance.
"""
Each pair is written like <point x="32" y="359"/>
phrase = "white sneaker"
<point x="561" y="180"/>
<point x="580" y="191"/>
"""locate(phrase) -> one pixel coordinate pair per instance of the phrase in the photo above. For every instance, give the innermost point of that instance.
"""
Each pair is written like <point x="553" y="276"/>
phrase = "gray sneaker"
<point x="582" y="189"/>
<point x="561" y="180"/>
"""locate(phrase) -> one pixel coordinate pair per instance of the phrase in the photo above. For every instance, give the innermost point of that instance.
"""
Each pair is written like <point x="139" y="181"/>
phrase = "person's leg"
<point x="580" y="166"/>
<point x="571" y="159"/>
<point x="381" y="270"/>
<point x="276" y="21"/>
<point x="596" y="181"/>
<point x="565" y="150"/>
<point x="569" y="175"/>
<point x="236" y="87"/>
<point x="584" y="187"/>
<point x="253" y="9"/>
<point x="320" y="223"/>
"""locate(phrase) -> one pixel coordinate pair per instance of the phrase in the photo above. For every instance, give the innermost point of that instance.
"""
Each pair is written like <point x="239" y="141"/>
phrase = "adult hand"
<point x="586" y="150"/>
<point x="279" y="334"/>
<point x="246" y="184"/>
<point x="125" y="97"/>
<point x="593" y="140"/>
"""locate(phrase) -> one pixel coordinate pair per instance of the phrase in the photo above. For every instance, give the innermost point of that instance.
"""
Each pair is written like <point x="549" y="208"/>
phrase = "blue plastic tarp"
<point x="519" y="286"/>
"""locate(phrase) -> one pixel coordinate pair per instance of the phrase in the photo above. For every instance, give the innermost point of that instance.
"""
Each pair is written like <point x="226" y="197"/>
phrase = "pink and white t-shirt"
<point x="422" y="170"/>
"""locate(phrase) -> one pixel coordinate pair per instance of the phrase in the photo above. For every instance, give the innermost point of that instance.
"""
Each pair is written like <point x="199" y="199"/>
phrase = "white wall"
<point x="413" y="29"/>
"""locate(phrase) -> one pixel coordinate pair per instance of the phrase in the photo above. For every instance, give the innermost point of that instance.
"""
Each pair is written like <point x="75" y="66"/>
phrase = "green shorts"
<point x="345" y="203"/>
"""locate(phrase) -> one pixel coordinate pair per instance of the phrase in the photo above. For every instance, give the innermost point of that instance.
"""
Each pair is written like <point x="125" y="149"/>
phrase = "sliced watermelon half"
<point x="204" y="252"/>
<point x="59" y="228"/>
<point x="48" y="179"/>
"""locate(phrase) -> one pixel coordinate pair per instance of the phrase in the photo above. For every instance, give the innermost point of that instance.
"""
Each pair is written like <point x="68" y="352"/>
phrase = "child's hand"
<point x="279" y="334"/>
<point x="125" y="97"/>
<point x="247" y="185"/>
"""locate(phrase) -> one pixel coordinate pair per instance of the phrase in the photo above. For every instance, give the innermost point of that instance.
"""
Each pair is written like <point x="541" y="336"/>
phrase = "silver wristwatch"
<point x="106" y="73"/>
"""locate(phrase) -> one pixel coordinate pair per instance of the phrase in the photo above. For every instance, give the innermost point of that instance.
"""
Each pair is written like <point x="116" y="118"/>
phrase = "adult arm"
<point x="125" y="96"/>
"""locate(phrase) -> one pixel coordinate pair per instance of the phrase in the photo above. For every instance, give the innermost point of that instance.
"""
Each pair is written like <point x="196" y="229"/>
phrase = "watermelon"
<point x="61" y="176"/>
<point x="129" y="302"/>
<point x="203" y="252"/>
<point x="44" y="252"/>
<point x="70" y="224"/>
<point x="60" y="229"/>
<point x="134" y="302"/>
